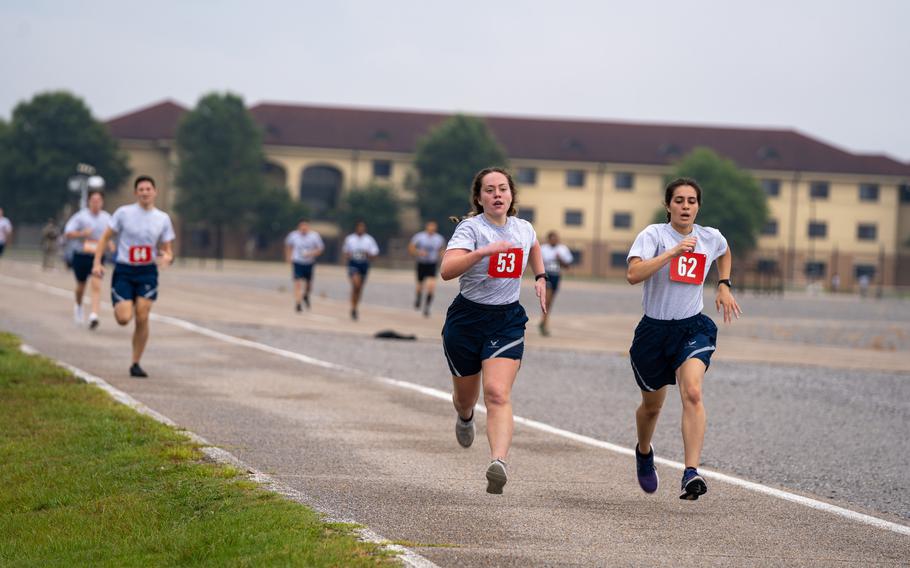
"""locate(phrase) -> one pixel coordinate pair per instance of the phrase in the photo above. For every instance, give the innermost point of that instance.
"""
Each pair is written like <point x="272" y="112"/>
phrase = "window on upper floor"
<point x="382" y="168"/>
<point x="575" y="178"/>
<point x="819" y="190"/>
<point x="868" y="192"/>
<point x="771" y="187"/>
<point x="526" y="213"/>
<point x="527" y="176"/>
<point x="818" y="229"/>
<point x="866" y="232"/>
<point x="624" y="180"/>
<point x="574" y="217"/>
<point x="770" y="228"/>
<point x="903" y="191"/>
<point x="622" y="220"/>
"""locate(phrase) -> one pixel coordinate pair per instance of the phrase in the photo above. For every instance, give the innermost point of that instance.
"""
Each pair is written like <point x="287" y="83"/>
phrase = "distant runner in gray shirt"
<point x="301" y="248"/>
<point x="84" y="229"/>
<point x="485" y="325"/>
<point x="425" y="246"/>
<point x="674" y="341"/>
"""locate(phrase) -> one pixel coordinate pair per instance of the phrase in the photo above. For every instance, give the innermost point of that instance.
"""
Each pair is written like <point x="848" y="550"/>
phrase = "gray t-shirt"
<point x="139" y="231"/>
<point x="429" y="244"/>
<point x="555" y="257"/>
<point x="663" y="298"/>
<point x="5" y="229"/>
<point x="476" y="284"/>
<point x="360" y="247"/>
<point x="302" y="246"/>
<point x="82" y="220"/>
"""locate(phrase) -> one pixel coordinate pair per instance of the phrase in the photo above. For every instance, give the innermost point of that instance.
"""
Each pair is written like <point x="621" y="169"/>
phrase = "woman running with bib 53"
<point x="485" y="325"/>
<point x="144" y="242"/>
<point x="674" y="340"/>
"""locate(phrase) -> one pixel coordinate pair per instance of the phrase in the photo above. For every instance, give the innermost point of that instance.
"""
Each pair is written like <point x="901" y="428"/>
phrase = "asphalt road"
<point x="386" y="458"/>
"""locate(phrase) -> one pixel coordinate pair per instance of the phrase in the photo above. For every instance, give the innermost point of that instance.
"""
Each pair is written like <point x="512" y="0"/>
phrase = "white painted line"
<point x="407" y="556"/>
<point x="543" y="427"/>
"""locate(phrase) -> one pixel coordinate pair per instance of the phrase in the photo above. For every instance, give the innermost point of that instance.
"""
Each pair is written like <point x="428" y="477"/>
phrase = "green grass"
<point x="85" y="481"/>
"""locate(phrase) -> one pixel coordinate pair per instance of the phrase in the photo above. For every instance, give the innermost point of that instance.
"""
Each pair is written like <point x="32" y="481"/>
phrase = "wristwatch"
<point x="542" y="275"/>
<point x="725" y="281"/>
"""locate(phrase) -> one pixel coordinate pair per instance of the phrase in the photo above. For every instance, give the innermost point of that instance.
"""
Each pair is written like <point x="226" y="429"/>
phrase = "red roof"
<point x="530" y="138"/>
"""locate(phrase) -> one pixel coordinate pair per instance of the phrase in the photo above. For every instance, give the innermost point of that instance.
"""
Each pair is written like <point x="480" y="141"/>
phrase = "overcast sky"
<point x="836" y="70"/>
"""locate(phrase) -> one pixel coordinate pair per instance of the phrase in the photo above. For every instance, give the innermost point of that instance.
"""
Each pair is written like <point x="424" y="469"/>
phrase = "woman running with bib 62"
<point x="145" y="235"/>
<point x="485" y="325"/>
<point x="674" y="340"/>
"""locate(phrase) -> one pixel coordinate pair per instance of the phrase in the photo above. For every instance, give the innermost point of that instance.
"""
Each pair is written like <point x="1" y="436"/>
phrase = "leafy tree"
<point x="732" y="200"/>
<point x="220" y="170"/>
<point x="40" y="148"/>
<point x="276" y="213"/>
<point x="447" y="159"/>
<point x="376" y="205"/>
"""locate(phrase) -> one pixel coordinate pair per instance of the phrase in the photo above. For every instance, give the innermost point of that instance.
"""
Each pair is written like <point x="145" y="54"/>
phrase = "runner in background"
<point x="556" y="256"/>
<point x="358" y="249"/>
<point x="426" y="246"/>
<point x="6" y="231"/>
<point x="84" y="229"/>
<point x="145" y="238"/>
<point x="301" y="247"/>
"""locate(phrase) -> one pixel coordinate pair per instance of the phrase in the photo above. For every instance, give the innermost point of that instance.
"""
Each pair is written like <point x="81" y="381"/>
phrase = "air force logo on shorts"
<point x="660" y="347"/>
<point x="474" y="332"/>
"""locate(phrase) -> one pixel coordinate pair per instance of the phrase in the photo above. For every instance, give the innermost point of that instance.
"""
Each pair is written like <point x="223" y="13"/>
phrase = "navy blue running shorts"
<point x="426" y="270"/>
<point x="82" y="266"/>
<point x="474" y="332"/>
<point x="361" y="267"/>
<point x="303" y="271"/>
<point x="130" y="282"/>
<point x="660" y="347"/>
<point x="553" y="281"/>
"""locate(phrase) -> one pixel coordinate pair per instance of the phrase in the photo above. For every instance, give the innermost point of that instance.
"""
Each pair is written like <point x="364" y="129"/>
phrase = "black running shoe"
<point x="693" y="485"/>
<point x="306" y="300"/>
<point x="93" y="321"/>
<point x="136" y="371"/>
<point x="354" y="315"/>
<point x="298" y="308"/>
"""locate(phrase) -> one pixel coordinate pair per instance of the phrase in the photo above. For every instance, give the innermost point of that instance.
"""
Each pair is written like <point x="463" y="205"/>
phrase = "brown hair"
<point x="477" y="184"/>
<point x="679" y="182"/>
<point x="143" y="178"/>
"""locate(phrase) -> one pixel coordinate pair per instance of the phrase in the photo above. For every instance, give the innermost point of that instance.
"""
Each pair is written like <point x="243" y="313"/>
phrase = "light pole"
<point x="84" y="180"/>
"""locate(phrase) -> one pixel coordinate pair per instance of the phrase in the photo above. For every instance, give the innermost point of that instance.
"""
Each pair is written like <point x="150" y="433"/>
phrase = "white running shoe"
<point x="93" y="320"/>
<point x="496" y="476"/>
<point x="464" y="431"/>
<point x="78" y="315"/>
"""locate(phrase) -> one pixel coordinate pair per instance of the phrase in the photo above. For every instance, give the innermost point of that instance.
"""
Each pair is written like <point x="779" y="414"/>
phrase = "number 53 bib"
<point x="506" y="264"/>
<point x="688" y="268"/>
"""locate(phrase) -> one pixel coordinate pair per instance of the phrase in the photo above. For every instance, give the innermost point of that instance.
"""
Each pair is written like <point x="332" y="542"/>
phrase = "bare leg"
<point x="646" y="417"/>
<point x="80" y="292"/>
<point x="298" y="291"/>
<point x="498" y="378"/>
<point x="123" y="312"/>
<point x="690" y="377"/>
<point x="141" y="332"/>
<point x="95" y="292"/>
<point x="356" y="286"/>
<point x="465" y="392"/>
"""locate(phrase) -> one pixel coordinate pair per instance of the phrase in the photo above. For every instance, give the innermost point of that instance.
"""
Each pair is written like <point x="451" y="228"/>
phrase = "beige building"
<point x="596" y="183"/>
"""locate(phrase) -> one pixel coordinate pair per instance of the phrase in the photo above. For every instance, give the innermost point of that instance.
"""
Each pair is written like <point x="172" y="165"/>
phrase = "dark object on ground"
<point x="392" y="334"/>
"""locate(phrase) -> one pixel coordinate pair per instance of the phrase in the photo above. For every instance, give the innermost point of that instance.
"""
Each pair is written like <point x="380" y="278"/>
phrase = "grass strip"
<point x="85" y="481"/>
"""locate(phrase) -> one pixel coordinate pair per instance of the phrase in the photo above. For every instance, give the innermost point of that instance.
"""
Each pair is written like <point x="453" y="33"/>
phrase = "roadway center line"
<point x="534" y="424"/>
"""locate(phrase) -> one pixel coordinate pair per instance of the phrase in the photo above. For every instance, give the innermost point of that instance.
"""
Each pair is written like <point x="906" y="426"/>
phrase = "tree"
<point x="447" y="159"/>
<point x="376" y="205"/>
<point x="732" y="200"/>
<point x="40" y="148"/>
<point x="220" y="170"/>
<point x="276" y="213"/>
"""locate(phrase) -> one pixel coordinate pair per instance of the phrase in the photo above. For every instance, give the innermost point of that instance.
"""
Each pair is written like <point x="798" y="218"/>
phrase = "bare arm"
<point x="535" y="260"/>
<point x="725" y="297"/>
<point x="640" y="270"/>
<point x="97" y="266"/>
<point x="287" y="253"/>
<point x="458" y="261"/>
<point x="167" y="254"/>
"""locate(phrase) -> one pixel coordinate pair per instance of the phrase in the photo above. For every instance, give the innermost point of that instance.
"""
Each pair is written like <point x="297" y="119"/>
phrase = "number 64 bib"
<point x="688" y="268"/>
<point x="506" y="264"/>
<point x="141" y="254"/>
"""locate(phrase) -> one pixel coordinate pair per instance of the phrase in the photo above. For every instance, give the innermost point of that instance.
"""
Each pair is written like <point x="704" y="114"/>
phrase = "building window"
<point x="767" y="266"/>
<point x="527" y="176"/>
<point x="624" y="180"/>
<point x="622" y="220"/>
<point x="866" y="232"/>
<point x="574" y="217"/>
<point x="815" y="269"/>
<point x="818" y="229"/>
<point x="904" y="191"/>
<point x="382" y="168"/>
<point x="618" y="260"/>
<point x="867" y="270"/>
<point x="770" y="228"/>
<point x="526" y="213"/>
<point x="818" y="190"/>
<point x="868" y="192"/>
<point x="575" y="178"/>
<point x="576" y="256"/>
<point x="771" y="187"/>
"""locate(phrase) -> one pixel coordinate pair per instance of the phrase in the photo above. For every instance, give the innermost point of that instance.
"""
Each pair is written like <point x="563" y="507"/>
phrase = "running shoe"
<point x="136" y="371"/>
<point x="354" y="315"/>
<point x="426" y="312"/>
<point x="464" y="431"/>
<point x="306" y="300"/>
<point x="298" y="307"/>
<point x="417" y="303"/>
<point x="93" y="320"/>
<point x="693" y="485"/>
<point x="496" y="477"/>
<point x="78" y="316"/>
<point x="647" y="473"/>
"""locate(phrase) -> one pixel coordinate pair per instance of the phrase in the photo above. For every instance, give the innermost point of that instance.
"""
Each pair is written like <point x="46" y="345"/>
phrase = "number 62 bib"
<point x="506" y="264"/>
<point x="688" y="268"/>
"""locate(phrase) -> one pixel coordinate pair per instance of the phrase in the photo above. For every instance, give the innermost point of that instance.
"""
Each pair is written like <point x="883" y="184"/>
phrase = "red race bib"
<point x="141" y="254"/>
<point x="506" y="264"/>
<point x="688" y="268"/>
